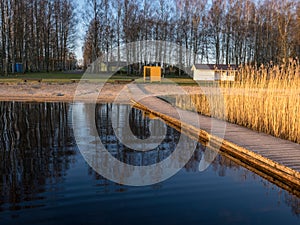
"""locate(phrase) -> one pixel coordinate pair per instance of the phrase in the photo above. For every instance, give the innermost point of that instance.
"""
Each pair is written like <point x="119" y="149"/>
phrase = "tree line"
<point x="38" y="34"/>
<point x="217" y="31"/>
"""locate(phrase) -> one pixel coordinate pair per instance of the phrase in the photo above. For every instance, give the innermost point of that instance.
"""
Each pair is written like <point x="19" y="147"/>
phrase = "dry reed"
<point x="265" y="99"/>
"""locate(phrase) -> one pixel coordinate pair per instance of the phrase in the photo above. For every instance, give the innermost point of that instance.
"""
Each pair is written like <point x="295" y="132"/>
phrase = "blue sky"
<point x="79" y="6"/>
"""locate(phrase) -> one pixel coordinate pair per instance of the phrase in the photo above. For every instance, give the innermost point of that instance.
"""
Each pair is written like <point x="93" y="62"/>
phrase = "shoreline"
<point x="65" y="92"/>
<point x="110" y="92"/>
<point x="55" y="92"/>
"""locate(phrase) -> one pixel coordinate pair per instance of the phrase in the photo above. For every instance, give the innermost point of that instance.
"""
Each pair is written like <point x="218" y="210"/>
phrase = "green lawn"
<point x="66" y="77"/>
<point x="53" y="76"/>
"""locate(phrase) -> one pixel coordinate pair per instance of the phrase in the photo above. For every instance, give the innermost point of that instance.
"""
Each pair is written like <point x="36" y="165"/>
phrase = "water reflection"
<point x="124" y="155"/>
<point x="37" y="149"/>
<point x="140" y="127"/>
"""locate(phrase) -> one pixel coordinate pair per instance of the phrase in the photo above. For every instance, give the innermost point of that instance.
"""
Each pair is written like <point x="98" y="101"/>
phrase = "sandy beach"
<point x="65" y="92"/>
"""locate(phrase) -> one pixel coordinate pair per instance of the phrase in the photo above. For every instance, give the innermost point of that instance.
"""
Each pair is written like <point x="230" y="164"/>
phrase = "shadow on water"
<point x="37" y="148"/>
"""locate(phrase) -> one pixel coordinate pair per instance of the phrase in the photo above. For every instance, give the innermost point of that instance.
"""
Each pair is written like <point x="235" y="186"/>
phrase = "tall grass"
<point x="265" y="99"/>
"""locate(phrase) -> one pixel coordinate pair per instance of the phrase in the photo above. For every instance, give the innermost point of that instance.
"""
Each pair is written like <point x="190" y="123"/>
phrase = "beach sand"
<point x="65" y="92"/>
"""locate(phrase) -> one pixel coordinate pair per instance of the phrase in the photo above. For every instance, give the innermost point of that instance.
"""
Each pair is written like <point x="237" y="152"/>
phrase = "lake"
<point x="46" y="180"/>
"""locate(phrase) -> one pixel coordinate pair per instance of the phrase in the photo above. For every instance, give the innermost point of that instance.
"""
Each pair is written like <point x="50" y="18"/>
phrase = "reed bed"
<point x="265" y="99"/>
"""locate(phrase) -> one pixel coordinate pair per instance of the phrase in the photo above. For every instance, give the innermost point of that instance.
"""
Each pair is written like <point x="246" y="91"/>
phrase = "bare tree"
<point x="217" y="31"/>
<point x="36" y="34"/>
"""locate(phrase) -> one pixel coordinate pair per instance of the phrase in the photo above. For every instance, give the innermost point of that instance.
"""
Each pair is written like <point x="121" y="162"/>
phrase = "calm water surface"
<point x="45" y="180"/>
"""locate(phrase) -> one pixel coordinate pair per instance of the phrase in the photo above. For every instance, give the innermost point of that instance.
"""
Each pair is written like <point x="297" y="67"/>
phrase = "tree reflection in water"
<point x="139" y="125"/>
<point x="37" y="147"/>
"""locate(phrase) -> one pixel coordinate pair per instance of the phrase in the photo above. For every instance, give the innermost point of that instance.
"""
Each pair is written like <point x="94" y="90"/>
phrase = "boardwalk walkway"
<point x="275" y="158"/>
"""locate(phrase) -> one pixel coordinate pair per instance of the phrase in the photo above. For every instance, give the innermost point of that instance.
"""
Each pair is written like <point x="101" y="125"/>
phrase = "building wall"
<point x="219" y="75"/>
<point x="211" y="75"/>
<point x="155" y="73"/>
<point x="226" y="76"/>
<point x="204" y="75"/>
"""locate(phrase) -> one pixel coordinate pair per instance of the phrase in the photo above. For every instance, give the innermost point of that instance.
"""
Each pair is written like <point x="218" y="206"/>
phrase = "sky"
<point x="78" y="51"/>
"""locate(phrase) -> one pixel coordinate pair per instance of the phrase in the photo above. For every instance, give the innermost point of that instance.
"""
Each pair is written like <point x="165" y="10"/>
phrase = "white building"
<point x="211" y="72"/>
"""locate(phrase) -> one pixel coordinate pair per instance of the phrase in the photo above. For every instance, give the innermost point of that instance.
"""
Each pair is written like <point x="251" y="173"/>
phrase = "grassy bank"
<point x="75" y="76"/>
<point x="43" y="76"/>
<point x="61" y="77"/>
<point x="265" y="99"/>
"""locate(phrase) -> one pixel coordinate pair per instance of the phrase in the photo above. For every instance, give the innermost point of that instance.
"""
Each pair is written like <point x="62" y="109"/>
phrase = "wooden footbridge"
<point x="275" y="159"/>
